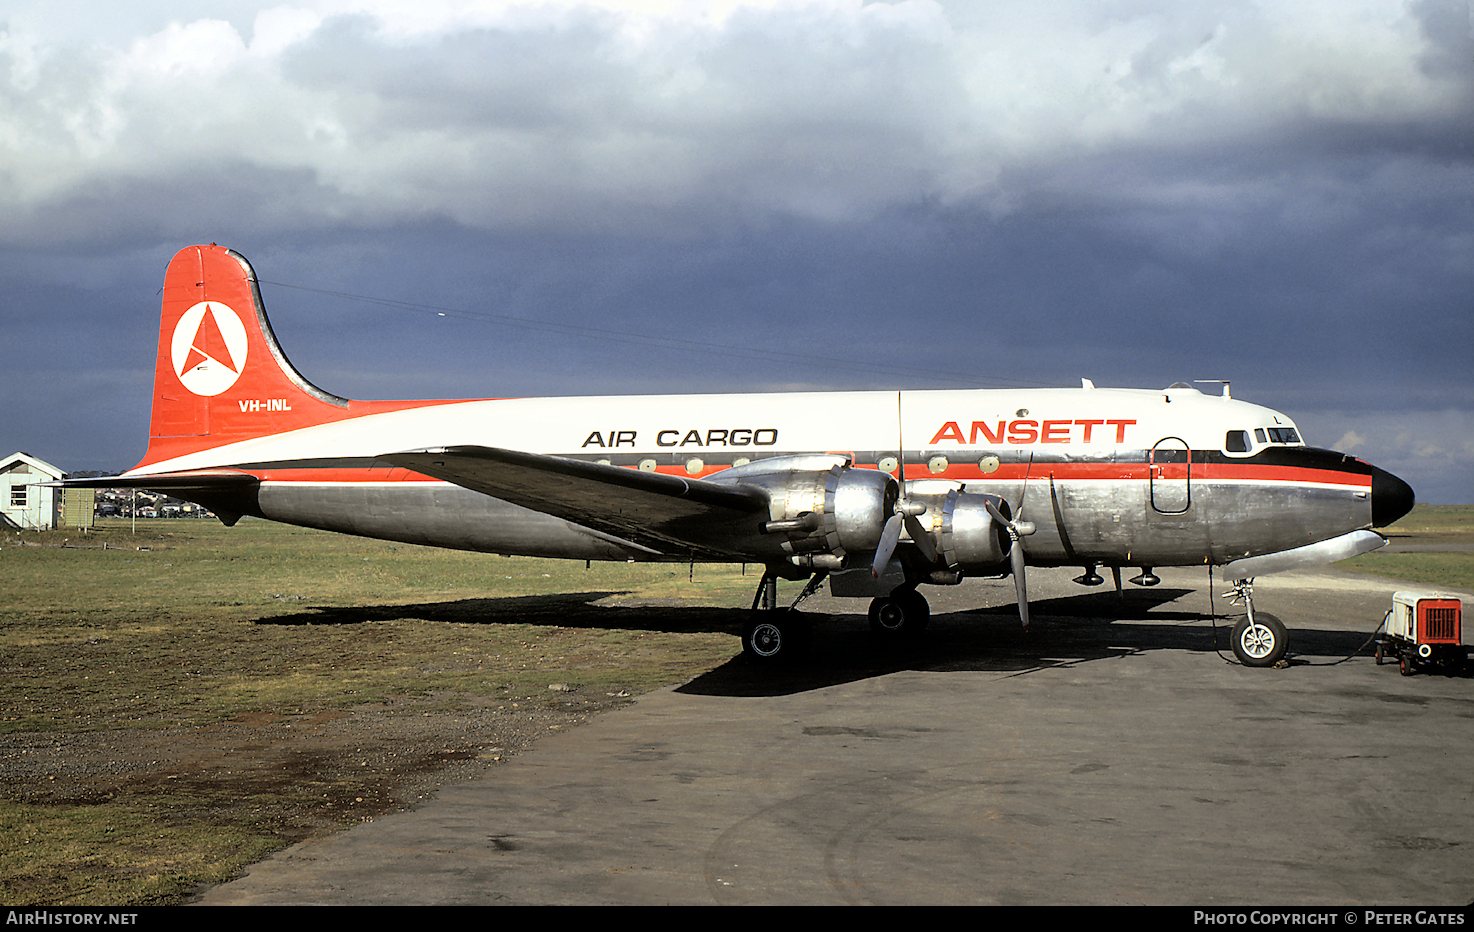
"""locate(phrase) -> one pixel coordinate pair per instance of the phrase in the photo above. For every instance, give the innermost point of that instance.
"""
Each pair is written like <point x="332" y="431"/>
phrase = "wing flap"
<point x="671" y="514"/>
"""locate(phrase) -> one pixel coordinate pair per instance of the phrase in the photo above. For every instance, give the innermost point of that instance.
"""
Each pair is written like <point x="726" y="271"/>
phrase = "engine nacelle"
<point x="838" y="512"/>
<point x="823" y="513"/>
<point x="856" y="506"/>
<point x="970" y="539"/>
<point x="966" y="536"/>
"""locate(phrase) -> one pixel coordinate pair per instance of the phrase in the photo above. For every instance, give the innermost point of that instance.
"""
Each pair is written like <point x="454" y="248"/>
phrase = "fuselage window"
<point x="1237" y="441"/>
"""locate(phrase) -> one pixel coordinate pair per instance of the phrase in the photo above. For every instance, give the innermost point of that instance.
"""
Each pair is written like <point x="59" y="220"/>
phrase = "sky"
<point x="451" y="198"/>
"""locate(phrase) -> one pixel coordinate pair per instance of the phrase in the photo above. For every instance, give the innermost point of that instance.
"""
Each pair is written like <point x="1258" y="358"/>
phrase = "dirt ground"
<point x="342" y="766"/>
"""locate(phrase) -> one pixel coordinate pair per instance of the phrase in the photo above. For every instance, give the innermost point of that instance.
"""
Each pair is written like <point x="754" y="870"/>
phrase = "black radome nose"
<point x="1391" y="498"/>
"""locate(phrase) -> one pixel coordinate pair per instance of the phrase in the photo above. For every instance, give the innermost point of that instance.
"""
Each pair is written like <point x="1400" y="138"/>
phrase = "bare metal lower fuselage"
<point x="1119" y="521"/>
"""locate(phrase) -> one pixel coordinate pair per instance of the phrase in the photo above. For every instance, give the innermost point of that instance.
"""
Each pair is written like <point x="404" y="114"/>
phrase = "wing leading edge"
<point x="669" y="514"/>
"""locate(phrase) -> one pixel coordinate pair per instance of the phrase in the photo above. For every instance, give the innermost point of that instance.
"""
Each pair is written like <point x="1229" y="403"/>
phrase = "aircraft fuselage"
<point x="1109" y="476"/>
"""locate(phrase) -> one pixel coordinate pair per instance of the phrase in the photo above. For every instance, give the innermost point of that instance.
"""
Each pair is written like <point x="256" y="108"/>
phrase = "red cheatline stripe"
<point x="1060" y="472"/>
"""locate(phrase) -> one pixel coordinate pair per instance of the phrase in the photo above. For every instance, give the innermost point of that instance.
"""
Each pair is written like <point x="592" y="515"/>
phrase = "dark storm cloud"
<point x="810" y="195"/>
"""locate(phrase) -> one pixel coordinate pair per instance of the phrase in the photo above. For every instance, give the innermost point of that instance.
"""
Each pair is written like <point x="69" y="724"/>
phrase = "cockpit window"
<point x="1236" y="441"/>
<point x="1264" y="435"/>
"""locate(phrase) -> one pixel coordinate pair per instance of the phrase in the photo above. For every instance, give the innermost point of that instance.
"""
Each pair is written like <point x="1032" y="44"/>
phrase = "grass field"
<point x="263" y="614"/>
<point x="120" y="640"/>
<point x="1447" y="525"/>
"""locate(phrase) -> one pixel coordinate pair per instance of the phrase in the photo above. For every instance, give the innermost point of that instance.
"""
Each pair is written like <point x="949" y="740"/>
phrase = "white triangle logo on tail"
<point x="209" y="348"/>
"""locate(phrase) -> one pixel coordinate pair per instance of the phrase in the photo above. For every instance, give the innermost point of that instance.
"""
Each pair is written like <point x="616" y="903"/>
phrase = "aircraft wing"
<point x="669" y="514"/>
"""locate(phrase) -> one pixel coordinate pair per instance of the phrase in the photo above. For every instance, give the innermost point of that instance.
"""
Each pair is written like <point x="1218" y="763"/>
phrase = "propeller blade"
<point x="887" y="546"/>
<point x="921" y="537"/>
<point x="997" y="515"/>
<point x="1016" y="555"/>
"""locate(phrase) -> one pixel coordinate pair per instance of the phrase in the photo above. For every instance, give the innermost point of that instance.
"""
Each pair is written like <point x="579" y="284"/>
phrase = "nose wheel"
<point x="1260" y="641"/>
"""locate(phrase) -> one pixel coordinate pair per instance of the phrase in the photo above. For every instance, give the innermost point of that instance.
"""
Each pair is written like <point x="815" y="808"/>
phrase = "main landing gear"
<point x="1259" y="638"/>
<point x="902" y="614"/>
<point x="774" y="634"/>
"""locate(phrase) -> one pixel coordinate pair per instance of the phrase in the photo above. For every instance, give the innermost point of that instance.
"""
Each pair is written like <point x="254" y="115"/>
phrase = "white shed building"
<point x="24" y="502"/>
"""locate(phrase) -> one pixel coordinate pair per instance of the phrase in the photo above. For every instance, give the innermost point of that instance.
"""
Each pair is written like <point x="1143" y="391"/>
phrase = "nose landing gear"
<point x="1259" y="638"/>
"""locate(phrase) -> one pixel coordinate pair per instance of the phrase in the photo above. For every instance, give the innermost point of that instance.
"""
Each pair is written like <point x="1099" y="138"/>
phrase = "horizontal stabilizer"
<point x="171" y="482"/>
<point x="228" y="493"/>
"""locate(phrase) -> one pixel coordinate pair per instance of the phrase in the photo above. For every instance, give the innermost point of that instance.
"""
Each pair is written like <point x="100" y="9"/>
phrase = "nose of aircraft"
<point x="1391" y="498"/>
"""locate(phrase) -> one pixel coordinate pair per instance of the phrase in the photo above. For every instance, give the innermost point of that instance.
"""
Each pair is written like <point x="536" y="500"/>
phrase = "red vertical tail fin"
<point x="220" y="375"/>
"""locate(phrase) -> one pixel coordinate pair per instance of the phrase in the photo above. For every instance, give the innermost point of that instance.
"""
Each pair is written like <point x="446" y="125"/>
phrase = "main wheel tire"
<point x="1260" y="643"/>
<point x="903" y="613"/>
<point x="775" y="636"/>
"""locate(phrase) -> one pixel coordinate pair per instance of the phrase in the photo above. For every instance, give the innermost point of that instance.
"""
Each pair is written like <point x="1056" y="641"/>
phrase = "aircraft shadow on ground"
<point x="564" y="609"/>
<point x="582" y="610"/>
<point x="992" y="641"/>
<point x="1072" y="629"/>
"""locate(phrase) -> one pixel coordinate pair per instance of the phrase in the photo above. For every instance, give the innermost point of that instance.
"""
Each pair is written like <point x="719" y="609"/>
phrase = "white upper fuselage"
<point x="679" y="430"/>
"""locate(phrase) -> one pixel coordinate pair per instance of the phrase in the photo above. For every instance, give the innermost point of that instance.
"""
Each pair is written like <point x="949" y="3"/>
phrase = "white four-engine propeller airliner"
<point x="878" y="492"/>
